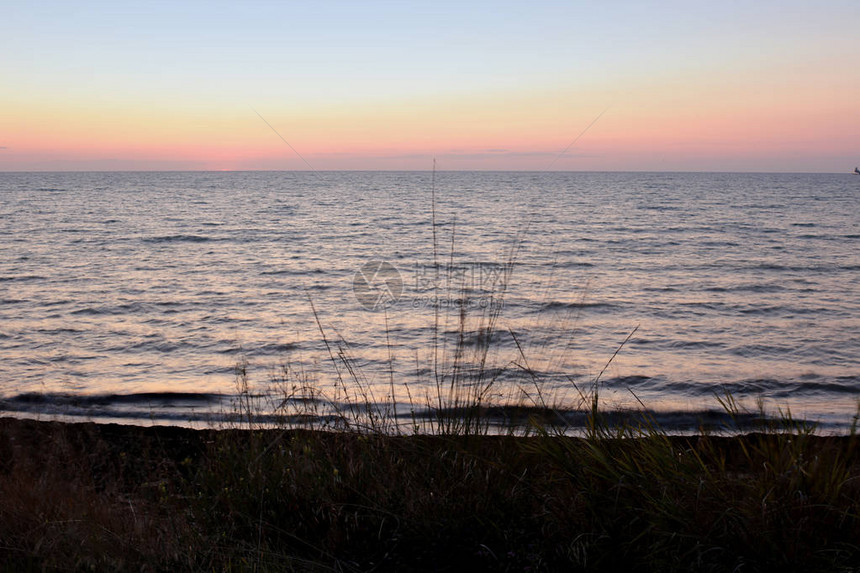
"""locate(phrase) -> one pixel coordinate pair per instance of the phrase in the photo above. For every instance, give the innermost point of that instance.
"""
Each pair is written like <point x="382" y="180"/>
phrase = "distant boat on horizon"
<point x="857" y="170"/>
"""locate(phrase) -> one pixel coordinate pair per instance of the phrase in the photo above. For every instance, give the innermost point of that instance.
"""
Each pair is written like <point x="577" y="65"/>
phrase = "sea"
<point x="203" y="298"/>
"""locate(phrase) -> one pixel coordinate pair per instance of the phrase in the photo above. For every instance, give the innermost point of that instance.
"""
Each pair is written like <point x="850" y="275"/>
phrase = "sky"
<point x="608" y="86"/>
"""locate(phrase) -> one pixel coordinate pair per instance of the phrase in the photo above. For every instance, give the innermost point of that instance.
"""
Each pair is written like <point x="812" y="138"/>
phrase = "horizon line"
<point x="309" y="171"/>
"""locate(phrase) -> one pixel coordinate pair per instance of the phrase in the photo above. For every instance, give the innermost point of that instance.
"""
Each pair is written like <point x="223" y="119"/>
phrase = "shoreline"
<point x="202" y="411"/>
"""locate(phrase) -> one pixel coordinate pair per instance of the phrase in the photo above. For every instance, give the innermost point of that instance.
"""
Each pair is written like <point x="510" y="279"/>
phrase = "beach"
<point x="104" y="496"/>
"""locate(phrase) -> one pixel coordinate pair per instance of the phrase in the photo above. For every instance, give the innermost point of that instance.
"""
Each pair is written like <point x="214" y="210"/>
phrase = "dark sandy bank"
<point x="104" y="496"/>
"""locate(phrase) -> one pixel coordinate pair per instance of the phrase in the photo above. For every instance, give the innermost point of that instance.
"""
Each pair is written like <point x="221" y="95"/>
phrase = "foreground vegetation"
<point x="83" y="496"/>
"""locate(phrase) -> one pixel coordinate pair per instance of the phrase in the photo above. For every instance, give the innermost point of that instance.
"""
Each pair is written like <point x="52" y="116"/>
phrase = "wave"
<point x="149" y="407"/>
<point x="579" y="419"/>
<point x="754" y="310"/>
<point x="127" y="308"/>
<point x="811" y="268"/>
<point x="765" y="387"/>
<point x="22" y="278"/>
<point x="285" y="272"/>
<point x="629" y="381"/>
<point x="178" y="239"/>
<point x="559" y="305"/>
<point x="747" y="288"/>
<point x="693" y="344"/>
<point x="60" y="399"/>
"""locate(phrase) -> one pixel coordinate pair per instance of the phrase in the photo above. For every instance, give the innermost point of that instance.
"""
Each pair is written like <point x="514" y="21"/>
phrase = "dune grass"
<point x="110" y="497"/>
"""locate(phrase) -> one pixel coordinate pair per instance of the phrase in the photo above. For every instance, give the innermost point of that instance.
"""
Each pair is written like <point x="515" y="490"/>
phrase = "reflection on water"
<point x="129" y="284"/>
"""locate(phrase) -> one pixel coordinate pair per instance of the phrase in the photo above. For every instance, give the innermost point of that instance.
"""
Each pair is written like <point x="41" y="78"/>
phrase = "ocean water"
<point x="135" y="296"/>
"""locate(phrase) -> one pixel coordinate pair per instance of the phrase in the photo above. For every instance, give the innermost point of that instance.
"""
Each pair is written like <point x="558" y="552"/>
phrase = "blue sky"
<point x="156" y="61"/>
